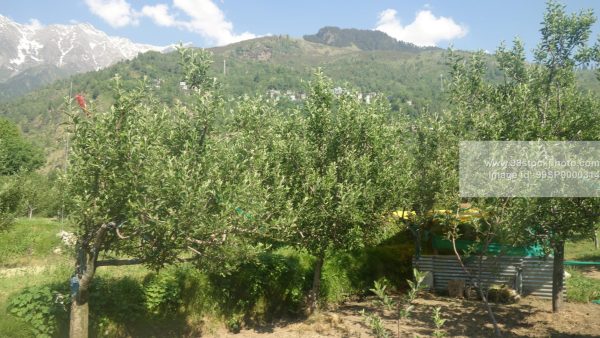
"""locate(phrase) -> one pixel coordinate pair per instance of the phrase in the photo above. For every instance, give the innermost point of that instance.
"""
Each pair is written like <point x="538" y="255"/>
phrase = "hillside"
<point x="256" y="66"/>
<point x="361" y="39"/>
<point x="412" y="79"/>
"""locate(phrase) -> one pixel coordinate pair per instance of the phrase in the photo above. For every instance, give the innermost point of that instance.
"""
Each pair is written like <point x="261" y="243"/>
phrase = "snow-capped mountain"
<point x="60" y="49"/>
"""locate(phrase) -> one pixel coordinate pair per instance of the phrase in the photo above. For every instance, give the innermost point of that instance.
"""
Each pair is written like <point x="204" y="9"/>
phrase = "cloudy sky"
<point x="467" y="24"/>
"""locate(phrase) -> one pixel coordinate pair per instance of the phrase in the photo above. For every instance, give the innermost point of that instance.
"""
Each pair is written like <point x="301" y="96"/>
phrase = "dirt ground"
<point x="531" y="317"/>
<point x="591" y="272"/>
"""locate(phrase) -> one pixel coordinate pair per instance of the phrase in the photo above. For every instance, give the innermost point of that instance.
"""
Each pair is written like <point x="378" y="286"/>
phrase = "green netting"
<point x="581" y="263"/>
<point x="441" y="243"/>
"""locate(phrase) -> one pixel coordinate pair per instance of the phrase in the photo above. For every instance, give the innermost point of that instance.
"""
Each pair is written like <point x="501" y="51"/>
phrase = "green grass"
<point x="268" y="287"/>
<point x="583" y="250"/>
<point x="582" y="289"/>
<point x="11" y="326"/>
<point x="31" y="242"/>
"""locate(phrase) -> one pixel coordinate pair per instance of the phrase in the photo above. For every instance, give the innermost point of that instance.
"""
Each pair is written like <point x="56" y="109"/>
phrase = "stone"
<point x="456" y="288"/>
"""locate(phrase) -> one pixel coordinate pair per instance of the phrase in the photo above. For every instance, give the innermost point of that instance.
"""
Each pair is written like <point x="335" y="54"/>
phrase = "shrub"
<point x="119" y="299"/>
<point x="43" y="307"/>
<point x="270" y="284"/>
<point x="163" y="294"/>
<point x="342" y="277"/>
<point x="345" y="274"/>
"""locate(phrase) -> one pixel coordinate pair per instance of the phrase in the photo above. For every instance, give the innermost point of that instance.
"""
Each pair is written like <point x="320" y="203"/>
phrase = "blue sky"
<point x="467" y="24"/>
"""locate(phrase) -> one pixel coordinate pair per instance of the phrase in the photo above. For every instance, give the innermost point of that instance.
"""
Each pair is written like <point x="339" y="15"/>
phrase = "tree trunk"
<point x="78" y="326"/>
<point x="596" y="245"/>
<point x="416" y="230"/>
<point x="313" y="295"/>
<point x="86" y="268"/>
<point x="558" y="275"/>
<point x="30" y="212"/>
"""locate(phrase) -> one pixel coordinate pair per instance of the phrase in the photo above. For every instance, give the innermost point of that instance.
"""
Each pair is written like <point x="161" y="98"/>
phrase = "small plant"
<point x="415" y="287"/>
<point x="384" y="300"/>
<point x="376" y="324"/>
<point x="234" y="324"/>
<point x="438" y="321"/>
<point x="405" y="311"/>
<point x="41" y="307"/>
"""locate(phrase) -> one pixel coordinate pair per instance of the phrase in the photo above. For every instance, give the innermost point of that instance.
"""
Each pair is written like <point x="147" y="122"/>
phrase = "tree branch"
<point x="119" y="262"/>
<point x="119" y="234"/>
<point x="478" y="286"/>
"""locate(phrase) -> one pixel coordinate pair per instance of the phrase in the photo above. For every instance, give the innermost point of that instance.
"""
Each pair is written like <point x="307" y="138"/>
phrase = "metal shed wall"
<point x="536" y="272"/>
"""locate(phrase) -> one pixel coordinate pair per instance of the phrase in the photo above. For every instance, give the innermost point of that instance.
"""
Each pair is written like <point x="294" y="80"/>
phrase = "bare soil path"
<point x="531" y="317"/>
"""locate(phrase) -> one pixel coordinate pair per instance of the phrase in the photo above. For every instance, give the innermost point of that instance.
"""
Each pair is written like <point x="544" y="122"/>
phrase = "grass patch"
<point x="179" y="300"/>
<point x="31" y="242"/>
<point x="582" y="289"/>
<point x="583" y="250"/>
<point x="10" y="326"/>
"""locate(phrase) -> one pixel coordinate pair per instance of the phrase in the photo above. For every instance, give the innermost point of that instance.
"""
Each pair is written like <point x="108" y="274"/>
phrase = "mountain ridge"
<point x="363" y="39"/>
<point x="62" y="49"/>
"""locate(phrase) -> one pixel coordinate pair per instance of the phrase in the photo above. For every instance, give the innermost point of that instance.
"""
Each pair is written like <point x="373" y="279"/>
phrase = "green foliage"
<point x="162" y="294"/>
<point x="336" y="170"/>
<point x="416" y="285"/>
<point x="349" y="273"/>
<point x="16" y="153"/>
<point x="38" y="195"/>
<point x="376" y="324"/>
<point x="155" y="171"/>
<point x="269" y="285"/>
<point x="41" y="307"/>
<point x="234" y="324"/>
<point x="9" y="201"/>
<point x="384" y="300"/>
<point x="116" y="304"/>
<point x="582" y="289"/>
<point x="122" y="300"/>
<point x="438" y="321"/>
<point x="342" y="277"/>
<point x="328" y="172"/>
<point x="538" y="101"/>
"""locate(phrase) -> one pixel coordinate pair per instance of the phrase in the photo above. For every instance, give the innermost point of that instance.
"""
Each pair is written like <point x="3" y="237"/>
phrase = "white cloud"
<point x="208" y="20"/>
<point x="204" y="17"/>
<point x="117" y="13"/>
<point x="159" y="14"/>
<point x="425" y="30"/>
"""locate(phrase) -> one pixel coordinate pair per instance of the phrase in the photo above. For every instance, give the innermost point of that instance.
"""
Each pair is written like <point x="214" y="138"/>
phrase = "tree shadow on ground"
<point x="558" y="334"/>
<point x="463" y="317"/>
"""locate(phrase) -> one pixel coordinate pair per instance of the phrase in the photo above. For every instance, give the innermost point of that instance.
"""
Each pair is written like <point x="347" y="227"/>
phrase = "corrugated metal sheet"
<point x="536" y="273"/>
